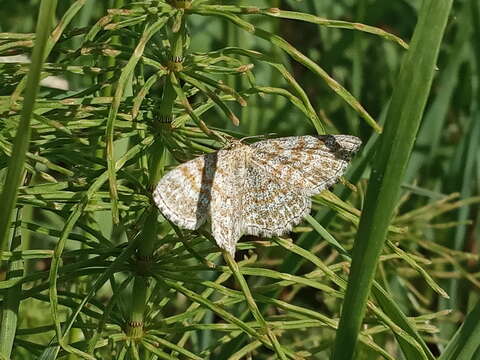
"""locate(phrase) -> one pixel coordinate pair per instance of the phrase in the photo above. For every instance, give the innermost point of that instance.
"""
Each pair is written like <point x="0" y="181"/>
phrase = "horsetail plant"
<point x="105" y="275"/>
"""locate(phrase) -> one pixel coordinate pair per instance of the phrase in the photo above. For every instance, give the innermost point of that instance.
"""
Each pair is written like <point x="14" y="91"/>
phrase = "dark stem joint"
<point x="166" y="119"/>
<point x="135" y="324"/>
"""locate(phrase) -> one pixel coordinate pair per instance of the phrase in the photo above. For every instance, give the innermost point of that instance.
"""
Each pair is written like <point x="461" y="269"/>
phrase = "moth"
<point x="262" y="189"/>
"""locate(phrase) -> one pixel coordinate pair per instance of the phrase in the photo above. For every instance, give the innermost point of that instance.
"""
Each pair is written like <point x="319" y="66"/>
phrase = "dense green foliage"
<point x="90" y="268"/>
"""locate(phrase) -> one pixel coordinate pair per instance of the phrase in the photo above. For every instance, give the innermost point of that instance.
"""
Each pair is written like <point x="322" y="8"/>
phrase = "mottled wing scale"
<point x="261" y="189"/>
<point x="183" y="194"/>
<point x="226" y="202"/>
<point x="309" y="164"/>
<point x="270" y="206"/>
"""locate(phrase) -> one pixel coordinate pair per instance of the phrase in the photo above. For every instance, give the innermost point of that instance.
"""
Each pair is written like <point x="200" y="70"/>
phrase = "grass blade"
<point x="403" y="120"/>
<point x="22" y="138"/>
<point x="466" y="342"/>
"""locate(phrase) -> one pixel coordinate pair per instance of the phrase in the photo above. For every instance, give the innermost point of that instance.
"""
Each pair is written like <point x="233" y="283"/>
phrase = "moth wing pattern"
<point x="183" y="194"/>
<point x="262" y="189"/>
<point x="271" y="207"/>
<point x="226" y="202"/>
<point x="309" y="164"/>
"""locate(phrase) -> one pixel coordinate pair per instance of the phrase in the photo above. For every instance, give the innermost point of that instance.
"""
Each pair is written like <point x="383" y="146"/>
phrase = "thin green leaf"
<point x="403" y="120"/>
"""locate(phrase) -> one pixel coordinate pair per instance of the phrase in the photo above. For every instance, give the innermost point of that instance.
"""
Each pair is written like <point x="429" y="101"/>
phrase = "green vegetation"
<point x="102" y="98"/>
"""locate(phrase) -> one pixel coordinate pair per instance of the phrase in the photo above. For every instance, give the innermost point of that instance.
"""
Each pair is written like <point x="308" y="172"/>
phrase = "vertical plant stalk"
<point x="141" y="284"/>
<point x="465" y="343"/>
<point x="11" y="300"/>
<point x="127" y="71"/>
<point x="149" y="234"/>
<point x="403" y="119"/>
<point x="60" y="246"/>
<point x="15" y="171"/>
<point x="20" y="146"/>
<point x="175" y="63"/>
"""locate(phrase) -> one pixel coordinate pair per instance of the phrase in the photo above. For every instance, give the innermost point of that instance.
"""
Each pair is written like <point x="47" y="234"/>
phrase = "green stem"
<point x="168" y="99"/>
<point x="176" y="57"/>
<point x="16" y="162"/>
<point x="11" y="302"/>
<point x="403" y="119"/>
<point x="139" y="297"/>
<point x="140" y="290"/>
<point x="157" y="162"/>
<point x="146" y="246"/>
